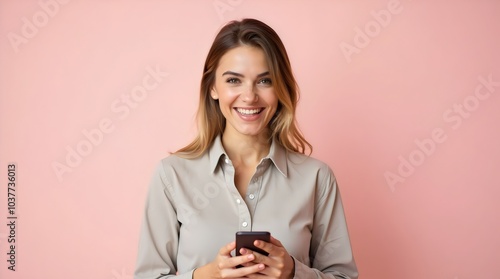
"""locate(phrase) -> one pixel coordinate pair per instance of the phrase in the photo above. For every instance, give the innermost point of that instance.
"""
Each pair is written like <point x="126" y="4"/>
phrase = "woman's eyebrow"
<point x="240" y="75"/>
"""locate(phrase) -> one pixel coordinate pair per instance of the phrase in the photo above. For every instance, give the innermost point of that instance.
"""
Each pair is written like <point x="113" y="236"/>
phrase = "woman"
<point x="245" y="171"/>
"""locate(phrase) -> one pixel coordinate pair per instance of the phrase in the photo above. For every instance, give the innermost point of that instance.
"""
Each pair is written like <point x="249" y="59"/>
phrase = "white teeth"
<point x="248" y="111"/>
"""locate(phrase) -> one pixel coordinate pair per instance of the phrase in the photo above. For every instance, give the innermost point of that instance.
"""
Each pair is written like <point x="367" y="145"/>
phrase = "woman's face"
<point x="245" y="91"/>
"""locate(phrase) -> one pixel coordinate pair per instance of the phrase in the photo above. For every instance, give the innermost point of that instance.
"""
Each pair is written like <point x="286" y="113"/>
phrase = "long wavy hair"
<point x="210" y="120"/>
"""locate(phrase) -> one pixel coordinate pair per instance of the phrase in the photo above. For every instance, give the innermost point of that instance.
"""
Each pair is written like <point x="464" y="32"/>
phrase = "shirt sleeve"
<point x="159" y="237"/>
<point x="331" y="254"/>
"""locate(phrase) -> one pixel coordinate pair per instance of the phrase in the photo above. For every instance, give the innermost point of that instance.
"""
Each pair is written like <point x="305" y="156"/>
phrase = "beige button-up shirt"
<point x="193" y="209"/>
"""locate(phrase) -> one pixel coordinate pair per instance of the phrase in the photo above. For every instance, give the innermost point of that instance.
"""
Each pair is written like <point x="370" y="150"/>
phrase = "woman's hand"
<point x="224" y="265"/>
<point x="279" y="264"/>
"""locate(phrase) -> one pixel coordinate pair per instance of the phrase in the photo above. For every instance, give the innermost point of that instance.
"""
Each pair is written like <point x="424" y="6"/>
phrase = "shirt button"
<point x="226" y="160"/>
<point x="251" y="196"/>
<point x="244" y="224"/>
<point x="238" y="201"/>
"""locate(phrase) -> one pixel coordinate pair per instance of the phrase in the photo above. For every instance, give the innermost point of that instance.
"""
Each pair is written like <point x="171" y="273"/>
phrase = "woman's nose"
<point x="249" y="95"/>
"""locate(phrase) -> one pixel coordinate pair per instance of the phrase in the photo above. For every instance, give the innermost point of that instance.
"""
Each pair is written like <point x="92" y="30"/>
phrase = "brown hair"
<point x="211" y="122"/>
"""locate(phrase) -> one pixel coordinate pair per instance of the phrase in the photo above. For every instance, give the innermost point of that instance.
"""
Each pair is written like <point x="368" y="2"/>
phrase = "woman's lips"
<point x="249" y="114"/>
<point x="252" y="111"/>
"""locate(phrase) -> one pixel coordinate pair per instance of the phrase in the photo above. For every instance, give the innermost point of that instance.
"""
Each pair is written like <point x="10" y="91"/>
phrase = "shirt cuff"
<point x="187" y="275"/>
<point x="300" y="270"/>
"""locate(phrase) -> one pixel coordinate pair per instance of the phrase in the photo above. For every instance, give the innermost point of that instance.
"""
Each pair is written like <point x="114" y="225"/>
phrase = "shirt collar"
<point x="215" y="152"/>
<point x="277" y="154"/>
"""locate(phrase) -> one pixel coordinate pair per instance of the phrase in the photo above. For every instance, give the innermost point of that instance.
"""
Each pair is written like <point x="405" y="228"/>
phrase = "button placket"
<point x="252" y="197"/>
<point x="243" y="213"/>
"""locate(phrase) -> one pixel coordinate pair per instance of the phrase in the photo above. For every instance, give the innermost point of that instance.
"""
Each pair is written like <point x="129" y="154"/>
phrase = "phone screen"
<point x="245" y="239"/>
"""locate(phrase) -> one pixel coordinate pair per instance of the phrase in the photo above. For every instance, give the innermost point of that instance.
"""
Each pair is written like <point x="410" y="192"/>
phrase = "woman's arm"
<point x="159" y="238"/>
<point x="159" y="241"/>
<point x="331" y="253"/>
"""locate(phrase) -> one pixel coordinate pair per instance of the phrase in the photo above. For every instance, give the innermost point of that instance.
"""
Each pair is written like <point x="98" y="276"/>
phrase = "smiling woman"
<point x="245" y="171"/>
<point x="211" y="122"/>
<point x="245" y="93"/>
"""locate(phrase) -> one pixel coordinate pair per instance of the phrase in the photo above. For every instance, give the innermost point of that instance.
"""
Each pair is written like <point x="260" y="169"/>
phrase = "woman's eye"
<point x="232" y="80"/>
<point x="266" y="81"/>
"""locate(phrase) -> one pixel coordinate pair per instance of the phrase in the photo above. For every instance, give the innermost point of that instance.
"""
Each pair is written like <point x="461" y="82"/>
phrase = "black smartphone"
<point x="246" y="239"/>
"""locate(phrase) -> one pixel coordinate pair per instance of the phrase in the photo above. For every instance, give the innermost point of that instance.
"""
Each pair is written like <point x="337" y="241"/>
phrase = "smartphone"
<point x="245" y="240"/>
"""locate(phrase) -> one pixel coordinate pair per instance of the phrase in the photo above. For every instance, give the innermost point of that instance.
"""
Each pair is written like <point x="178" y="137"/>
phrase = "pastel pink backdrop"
<point x="363" y="110"/>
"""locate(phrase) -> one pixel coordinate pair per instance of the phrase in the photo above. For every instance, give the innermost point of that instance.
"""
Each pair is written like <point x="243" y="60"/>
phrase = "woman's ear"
<point x="214" y="94"/>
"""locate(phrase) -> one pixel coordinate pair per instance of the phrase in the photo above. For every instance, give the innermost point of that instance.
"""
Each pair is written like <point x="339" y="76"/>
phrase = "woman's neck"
<point x="246" y="150"/>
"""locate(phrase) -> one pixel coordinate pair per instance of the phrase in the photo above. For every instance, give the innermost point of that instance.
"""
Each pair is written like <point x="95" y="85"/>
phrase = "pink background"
<point x="364" y="111"/>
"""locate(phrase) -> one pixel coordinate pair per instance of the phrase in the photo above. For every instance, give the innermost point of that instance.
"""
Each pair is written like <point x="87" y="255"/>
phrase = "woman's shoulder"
<point x="175" y="161"/>
<point x="308" y="162"/>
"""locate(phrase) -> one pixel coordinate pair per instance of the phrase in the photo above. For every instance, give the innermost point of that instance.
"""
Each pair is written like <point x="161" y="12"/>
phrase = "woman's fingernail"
<point x="250" y="257"/>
